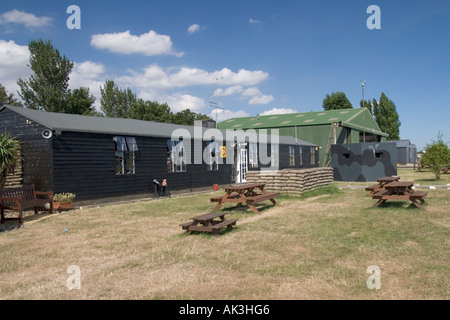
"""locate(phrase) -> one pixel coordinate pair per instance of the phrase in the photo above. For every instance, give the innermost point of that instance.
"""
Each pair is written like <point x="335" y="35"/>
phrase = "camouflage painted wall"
<point x="363" y="161"/>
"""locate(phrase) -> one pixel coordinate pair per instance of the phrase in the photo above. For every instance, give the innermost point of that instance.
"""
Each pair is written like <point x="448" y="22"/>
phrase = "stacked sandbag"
<point x="292" y="181"/>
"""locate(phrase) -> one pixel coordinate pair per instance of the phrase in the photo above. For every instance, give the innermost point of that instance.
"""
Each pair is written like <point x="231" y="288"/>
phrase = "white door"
<point x="243" y="166"/>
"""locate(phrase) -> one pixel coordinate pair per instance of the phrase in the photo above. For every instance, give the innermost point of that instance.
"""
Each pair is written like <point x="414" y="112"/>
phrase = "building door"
<point x="243" y="165"/>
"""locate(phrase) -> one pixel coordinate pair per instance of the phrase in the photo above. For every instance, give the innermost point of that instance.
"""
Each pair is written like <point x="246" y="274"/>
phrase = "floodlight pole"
<point x="364" y="111"/>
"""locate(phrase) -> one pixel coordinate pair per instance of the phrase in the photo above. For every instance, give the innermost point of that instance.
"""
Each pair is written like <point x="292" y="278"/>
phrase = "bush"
<point x="436" y="156"/>
<point x="9" y="156"/>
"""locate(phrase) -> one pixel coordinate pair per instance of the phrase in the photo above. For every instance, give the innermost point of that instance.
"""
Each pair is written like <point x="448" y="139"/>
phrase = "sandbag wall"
<point x="290" y="181"/>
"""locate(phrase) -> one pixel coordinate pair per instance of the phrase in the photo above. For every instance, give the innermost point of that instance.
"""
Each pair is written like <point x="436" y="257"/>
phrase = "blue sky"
<point x="251" y="56"/>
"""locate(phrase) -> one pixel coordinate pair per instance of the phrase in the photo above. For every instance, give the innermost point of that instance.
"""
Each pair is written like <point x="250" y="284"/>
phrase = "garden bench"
<point x="208" y="223"/>
<point x="23" y="198"/>
<point x="400" y="191"/>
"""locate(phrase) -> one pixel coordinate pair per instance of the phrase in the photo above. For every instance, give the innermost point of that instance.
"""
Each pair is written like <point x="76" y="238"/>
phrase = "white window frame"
<point x="291" y="156"/>
<point x="213" y="156"/>
<point x="177" y="156"/>
<point x="275" y="155"/>
<point x="253" y="156"/>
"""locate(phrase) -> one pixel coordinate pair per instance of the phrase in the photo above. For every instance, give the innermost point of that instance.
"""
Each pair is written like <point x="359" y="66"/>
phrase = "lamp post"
<point x="363" y="83"/>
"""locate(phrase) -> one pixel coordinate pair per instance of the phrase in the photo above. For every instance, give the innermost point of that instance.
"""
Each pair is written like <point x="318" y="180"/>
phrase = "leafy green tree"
<point x="151" y="111"/>
<point x="386" y="116"/>
<point x="80" y="101"/>
<point x="9" y="156"/>
<point x="116" y="102"/>
<point x="187" y="117"/>
<point x="366" y="104"/>
<point x="436" y="156"/>
<point x="123" y="103"/>
<point x="47" y="87"/>
<point x="9" y="99"/>
<point x="337" y="100"/>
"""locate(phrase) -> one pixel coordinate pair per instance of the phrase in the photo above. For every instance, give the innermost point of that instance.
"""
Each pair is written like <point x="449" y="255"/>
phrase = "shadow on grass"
<point x="397" y="205"/>
<point x="207" y="235"/>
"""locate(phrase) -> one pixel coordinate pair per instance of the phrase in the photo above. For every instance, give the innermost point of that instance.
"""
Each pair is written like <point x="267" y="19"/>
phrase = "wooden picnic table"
<point x="397" y="190"/>
<point x="211" y="222"/>
<point x="249" y="193"/>
<point x="381" y="182"/>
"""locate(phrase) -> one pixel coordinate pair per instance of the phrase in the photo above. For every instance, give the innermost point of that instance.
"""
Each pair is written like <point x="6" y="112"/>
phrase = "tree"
<point x="366" y="104"/>
<point x="116" y="102"/>
<point x="187" y="117"/>
<point x="337" y="100"/>
<point x="386" y="116"/>
<point x="9" y="156"/>
<point x="123" y="103"/>
<point x="9" y="99"/>
<point x="47" y="88"/>
<point x="151" y="111"/>
<point x="80" y="101"/>
<point x="436" y="156"/>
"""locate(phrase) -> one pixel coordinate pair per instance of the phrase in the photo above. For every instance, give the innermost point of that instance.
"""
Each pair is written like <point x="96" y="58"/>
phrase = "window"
<point x="291" y="156"/>
<point x="313" y="156"/>
<point x="300" y="155"/>
<point x="176" y="156"/>
<point x="253" y="155"/>
<point x="274" y="155"/>
<point x="125" y="155"/>
<point x="213" y="150"/>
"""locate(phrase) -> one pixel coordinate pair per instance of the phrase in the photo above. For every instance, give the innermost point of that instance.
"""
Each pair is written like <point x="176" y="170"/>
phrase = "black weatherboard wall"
<point x="37" y="152"/>
<point x="84" y="162"/>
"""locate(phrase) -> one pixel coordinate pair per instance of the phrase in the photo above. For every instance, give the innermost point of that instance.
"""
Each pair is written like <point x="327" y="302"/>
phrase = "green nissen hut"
<point x="322" y="128"/>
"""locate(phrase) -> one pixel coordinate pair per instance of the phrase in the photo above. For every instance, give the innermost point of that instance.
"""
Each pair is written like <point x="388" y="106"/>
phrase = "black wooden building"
<point x="96" y="157"/>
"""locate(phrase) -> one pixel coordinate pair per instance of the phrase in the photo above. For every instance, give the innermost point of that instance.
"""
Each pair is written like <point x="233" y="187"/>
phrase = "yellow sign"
<point x="223" y="151"/>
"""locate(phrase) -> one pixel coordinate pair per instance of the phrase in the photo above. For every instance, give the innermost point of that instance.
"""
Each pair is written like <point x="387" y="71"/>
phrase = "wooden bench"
<point x="219" y="198"/>
<point x="207" y="223"/>
<point x="373" y="189"/>
<point x="23" y="198"/>
<point x="263" y="197"/>
<point x="225" y="224"/>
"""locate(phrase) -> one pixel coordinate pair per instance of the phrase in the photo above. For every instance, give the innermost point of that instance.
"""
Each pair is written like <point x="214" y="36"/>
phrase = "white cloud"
<point x="193" y="28"/>
<point x="27" y="19"/>
<point x="13" y="64"/>
<point x="156" y="77"/>
<point x="149" y="44"/>
<point x="223" y="115"/>
<point x="253" y="21"/>
<point x="176" y="101"/>
<point x="227" y="92"/>
<point x="256" y="97"/>
<point x="262" y="99"/>
<point x="88" y="74"/>
<point x="278" y="111"/>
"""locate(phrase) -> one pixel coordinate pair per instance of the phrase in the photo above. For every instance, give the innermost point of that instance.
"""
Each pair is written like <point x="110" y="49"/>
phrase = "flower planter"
<point x="62" y="206"/>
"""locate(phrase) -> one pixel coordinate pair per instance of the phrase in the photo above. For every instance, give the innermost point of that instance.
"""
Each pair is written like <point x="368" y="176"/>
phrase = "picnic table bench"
<point x="23" y="198"/>
<point x="379" y="186"/>
<point x="250" y="194"/>
<point x="400" y="191"/>
<point x="209" y="223"/>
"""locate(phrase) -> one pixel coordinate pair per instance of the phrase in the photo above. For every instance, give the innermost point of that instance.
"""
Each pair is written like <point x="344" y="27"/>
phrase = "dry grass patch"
<point x="316" y="247"/>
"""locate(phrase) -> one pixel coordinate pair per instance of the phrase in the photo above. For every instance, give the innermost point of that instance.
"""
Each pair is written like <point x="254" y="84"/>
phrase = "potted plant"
<point x="63" y="201"/>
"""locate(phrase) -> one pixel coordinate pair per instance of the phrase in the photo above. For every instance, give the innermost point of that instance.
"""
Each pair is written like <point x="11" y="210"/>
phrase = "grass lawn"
<point x="317" y="246"/>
